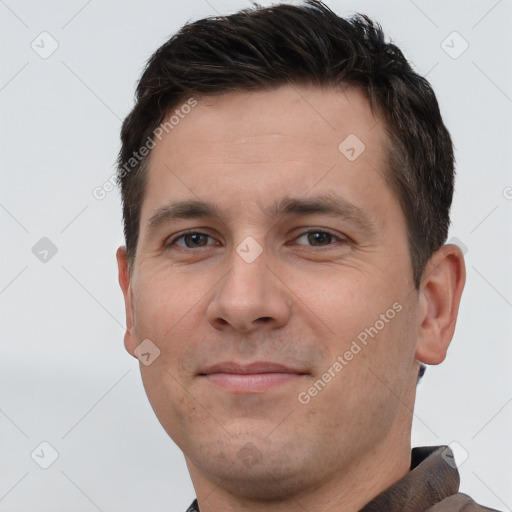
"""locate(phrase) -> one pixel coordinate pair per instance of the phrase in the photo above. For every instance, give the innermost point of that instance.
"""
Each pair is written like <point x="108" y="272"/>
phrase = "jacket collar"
<point x="432" y="478"/>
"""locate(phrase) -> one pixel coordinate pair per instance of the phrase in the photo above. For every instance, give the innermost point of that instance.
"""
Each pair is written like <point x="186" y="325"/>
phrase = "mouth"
<point x="250" y="378"/>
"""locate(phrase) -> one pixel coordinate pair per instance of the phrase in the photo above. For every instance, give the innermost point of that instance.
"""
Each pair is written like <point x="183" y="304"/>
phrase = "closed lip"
<point x="251" y="368"/>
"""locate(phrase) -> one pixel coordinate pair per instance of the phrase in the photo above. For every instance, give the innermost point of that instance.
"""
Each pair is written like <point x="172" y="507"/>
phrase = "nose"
<point x="250" y="296"/>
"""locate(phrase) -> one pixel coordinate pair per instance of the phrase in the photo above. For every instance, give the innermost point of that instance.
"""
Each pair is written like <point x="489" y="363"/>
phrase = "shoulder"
<point x="459" y="502"/>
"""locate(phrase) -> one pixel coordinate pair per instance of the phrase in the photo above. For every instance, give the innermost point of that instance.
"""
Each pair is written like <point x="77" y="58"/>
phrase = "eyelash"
<point x="172" y="242"/>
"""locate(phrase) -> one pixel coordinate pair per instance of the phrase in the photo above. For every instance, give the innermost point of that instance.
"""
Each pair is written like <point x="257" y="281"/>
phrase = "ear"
<point x="440" y="292"/>
<point x="130" y="341"/>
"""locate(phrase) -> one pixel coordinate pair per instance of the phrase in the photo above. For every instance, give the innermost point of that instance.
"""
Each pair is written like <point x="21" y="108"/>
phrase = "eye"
<point x="313" y="237"/>
<point x="190" y="240"/>
<point x="319" y="238"/>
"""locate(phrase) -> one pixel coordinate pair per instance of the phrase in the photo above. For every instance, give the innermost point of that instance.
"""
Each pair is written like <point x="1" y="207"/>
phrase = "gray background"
<point x="65" y="376"/>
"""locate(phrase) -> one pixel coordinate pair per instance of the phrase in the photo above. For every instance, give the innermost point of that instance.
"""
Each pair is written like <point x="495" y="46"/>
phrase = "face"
<point x="280" y="306"/>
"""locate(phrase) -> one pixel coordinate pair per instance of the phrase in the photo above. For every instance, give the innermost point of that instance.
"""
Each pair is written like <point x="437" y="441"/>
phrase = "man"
<point x="286" y="181"/>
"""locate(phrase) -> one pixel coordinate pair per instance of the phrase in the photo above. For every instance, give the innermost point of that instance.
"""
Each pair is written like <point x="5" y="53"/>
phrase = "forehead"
<point x="323" y="115"/>
<point x="270" y="141"/>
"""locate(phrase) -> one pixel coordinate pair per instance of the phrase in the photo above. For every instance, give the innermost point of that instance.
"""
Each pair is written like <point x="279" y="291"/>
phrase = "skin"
<point x="301" y="302"/>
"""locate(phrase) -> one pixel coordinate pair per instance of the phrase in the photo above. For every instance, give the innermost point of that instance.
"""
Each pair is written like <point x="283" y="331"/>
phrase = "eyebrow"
<point x="332" y="205"/>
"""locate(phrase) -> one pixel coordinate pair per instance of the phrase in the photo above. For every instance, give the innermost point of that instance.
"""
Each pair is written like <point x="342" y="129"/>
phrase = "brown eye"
<point x="190" y="240"/>
<point x="318" y="238"/>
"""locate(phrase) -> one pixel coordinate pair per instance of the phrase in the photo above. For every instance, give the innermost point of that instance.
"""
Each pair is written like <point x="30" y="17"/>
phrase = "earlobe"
<point x="440" y="292"/>
<point x="130" y="342"/>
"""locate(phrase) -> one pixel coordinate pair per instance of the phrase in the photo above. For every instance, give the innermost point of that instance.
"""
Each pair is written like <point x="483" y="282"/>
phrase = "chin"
<point x="259" y="469"/>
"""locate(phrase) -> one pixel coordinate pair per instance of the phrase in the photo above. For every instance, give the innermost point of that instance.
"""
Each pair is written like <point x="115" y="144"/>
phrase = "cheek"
<point x="367" y="323"/>
<point x="345" y="302"/>
<point x="165" y="306"/>
<point x="166" y="313"/>
<point x="175" y="408"/>
<point x="369" y="389"/>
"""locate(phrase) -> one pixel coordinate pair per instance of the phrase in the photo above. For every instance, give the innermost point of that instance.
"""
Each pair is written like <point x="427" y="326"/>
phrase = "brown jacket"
<point x="431" y="485"/>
